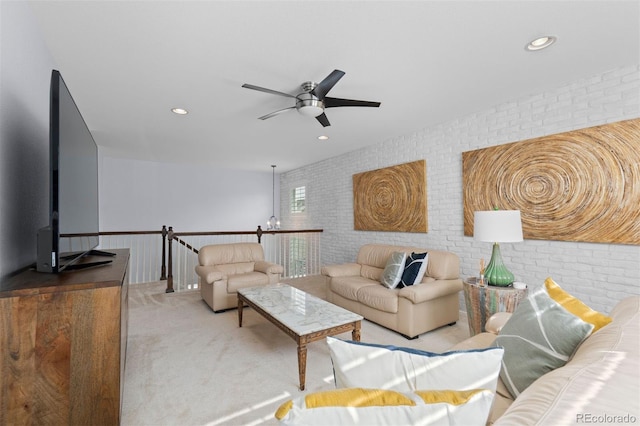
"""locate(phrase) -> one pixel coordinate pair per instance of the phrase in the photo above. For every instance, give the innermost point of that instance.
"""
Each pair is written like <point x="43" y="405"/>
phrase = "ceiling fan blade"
<point x="325" y="85"/>
<point x="262" y="89"/>
<point x="322" y="118"/>
<point x="337" y="102"/>
<point x="274" y="113"/>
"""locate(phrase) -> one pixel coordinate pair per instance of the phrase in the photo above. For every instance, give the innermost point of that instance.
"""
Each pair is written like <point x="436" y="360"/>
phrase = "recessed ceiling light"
<point x="323" y="137"/>
<point x="540" y="43"/>
<point x="180" y="111"/>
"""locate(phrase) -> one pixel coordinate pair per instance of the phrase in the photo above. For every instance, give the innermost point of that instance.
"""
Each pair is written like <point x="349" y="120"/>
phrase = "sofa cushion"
<point x="236" y="268"/>
<point x="394" y="269"/>
<point x="216" y="254"/>
<point x="357" y="364"/>
<point x="539" y="337"/>
<point x="348" y="287"/>
<point x="358" y="406"/>
<point x="376" y="255"/>
<point x="250" y="279"/>
<point x="429" y="290"/>
<point x="379" y="297"/>
<point x="576" y="306"/>
<point x="371" y="272"/>
<point x="443" y="265"/>
<point x="414" y="269"/>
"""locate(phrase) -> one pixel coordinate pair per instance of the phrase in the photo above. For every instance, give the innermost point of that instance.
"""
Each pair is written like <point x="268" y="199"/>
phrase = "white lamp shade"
<point x="497" y="226"/>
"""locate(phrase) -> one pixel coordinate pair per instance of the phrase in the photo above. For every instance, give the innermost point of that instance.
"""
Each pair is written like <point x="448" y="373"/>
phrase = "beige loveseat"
<point x="599" y="384"/>
<point x="224" y="268"/>
<point x="410" y="310"/>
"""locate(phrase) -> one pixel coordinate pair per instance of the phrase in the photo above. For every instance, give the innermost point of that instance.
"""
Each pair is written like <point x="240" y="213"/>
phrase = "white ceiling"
<point x="127" y="63"/>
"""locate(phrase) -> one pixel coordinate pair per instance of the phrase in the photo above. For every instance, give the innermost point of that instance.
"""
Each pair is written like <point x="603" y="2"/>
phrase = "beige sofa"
<point x="411" y="310"/>
<point x="224" y="268"/>
<point x="598" y="385"/>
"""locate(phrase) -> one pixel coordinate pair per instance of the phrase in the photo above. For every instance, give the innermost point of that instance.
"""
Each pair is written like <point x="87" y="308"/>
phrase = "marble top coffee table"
<point x="304" y="317"/>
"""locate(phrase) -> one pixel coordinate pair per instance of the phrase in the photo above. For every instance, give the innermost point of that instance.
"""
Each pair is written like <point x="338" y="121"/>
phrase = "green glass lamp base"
<point x="496" y="272"/>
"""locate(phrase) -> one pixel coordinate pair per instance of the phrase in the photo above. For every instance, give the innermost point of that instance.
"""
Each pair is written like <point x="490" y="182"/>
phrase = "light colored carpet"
<point x="186" y="365"/>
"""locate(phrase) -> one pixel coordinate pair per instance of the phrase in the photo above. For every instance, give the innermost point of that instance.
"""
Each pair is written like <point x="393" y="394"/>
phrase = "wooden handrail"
<point x="131" y="232"/>
<point x="280" y="231"/>
<point x="162" y="232"/>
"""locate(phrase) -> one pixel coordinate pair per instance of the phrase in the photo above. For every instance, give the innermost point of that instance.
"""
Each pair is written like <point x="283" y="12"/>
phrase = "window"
<point x="298" y="200"/>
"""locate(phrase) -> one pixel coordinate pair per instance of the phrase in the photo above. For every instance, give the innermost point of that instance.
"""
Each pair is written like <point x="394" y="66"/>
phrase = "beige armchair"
<point x="224" y="268"/>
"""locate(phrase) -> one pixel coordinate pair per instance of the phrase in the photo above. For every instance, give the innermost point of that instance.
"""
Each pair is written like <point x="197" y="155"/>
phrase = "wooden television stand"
<point x="63" y="340"/>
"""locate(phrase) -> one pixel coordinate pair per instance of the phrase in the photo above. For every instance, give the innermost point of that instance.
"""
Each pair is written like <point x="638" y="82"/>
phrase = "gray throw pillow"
<point x="539" y="337"/>
<point x="393" y="270"/>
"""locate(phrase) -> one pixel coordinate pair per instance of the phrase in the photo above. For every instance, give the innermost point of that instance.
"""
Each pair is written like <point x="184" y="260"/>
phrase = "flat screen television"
<point x="73" y="229"/>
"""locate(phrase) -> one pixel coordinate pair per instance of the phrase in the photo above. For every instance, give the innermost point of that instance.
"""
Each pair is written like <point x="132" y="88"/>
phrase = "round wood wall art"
<point x="582" y="185"/>
<point x="391" y="199"/>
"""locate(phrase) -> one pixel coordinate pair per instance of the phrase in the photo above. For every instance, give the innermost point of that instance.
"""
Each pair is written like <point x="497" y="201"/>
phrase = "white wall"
<point x="601" y="274"/>
<point x="142" y="195"/>
<point x="25" y="74"/>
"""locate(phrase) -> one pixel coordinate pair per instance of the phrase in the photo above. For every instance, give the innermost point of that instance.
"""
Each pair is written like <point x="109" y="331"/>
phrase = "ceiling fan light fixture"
<point x="540" y="43"/>
<point x="313" y="99"/>
<point x="310" y="110"/>
<point x="309" y="105"/>
<point x="323" y="137"/>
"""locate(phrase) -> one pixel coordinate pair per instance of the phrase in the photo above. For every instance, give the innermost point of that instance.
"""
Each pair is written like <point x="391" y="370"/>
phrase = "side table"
<point x="482" y="302"/>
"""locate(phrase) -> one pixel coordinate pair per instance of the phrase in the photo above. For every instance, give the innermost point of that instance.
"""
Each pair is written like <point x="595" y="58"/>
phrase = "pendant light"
<point x="273" y="223"/>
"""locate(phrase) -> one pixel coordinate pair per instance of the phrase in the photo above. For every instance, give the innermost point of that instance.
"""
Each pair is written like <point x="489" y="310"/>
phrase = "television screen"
<point x="73" y="228"/>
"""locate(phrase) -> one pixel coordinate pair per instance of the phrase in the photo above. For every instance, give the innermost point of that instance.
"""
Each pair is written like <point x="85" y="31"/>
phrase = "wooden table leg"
<point x="355" y="334"/>
<point x="240" y="306"/>
<point x="302" y="363"/>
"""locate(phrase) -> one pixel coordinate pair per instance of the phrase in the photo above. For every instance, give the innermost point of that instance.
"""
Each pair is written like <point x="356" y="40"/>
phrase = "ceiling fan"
<point x="313" y="99"/>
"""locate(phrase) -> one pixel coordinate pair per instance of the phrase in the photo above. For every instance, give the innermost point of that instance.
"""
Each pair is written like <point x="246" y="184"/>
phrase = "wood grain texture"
<point x="18" y="361"/>
<point x="61" y="359"/>
<point x="53" y="357"/>
<point x="582" y="185"/>
<point x="391" y="199"/>
<point x="482" y="302"/>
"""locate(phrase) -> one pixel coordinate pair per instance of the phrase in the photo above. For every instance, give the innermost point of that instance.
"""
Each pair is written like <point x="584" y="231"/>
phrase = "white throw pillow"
<point x="393" y="270"/>
<point x="357" y="364"/>
<point x="356" y="406"/>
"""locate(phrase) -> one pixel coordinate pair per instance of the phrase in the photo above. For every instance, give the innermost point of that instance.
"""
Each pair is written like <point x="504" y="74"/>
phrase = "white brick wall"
<point x="599" y="274"/>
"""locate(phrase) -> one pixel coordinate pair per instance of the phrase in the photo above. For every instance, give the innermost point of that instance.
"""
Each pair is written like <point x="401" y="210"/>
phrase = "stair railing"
<point x="298" y="251"/>
<point x="154" y="257"/>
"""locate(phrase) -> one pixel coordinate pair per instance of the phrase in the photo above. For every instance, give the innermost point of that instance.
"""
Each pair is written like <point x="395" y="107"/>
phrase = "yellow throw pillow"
<point x="361" y="406"/>
<point x="576" y="306"/>
<point x="349" y="397"/>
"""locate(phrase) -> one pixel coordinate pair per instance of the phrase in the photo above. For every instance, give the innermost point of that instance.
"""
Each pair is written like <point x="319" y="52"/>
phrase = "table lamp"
<point x="497" y="226"/>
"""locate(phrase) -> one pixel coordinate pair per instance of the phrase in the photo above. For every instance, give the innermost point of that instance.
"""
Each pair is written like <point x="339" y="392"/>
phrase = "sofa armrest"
<point x="268" y="267"/>
<point x="431" y="290"/>
<point x="497" y="321"/>
<point x="344" y="270"/>
<point x="209" y="274"/>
